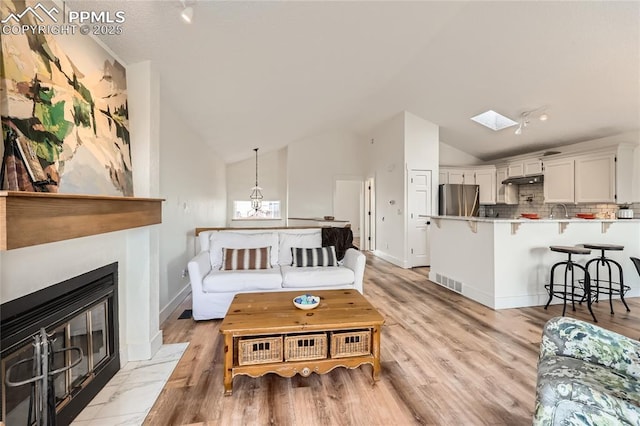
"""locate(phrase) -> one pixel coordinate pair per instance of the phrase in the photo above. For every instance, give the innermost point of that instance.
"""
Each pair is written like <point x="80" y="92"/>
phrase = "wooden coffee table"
<point x="265" y="333"/>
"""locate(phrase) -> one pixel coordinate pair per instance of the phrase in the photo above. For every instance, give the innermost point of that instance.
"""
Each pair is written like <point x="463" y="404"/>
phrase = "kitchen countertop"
<point x="523" y="220"/>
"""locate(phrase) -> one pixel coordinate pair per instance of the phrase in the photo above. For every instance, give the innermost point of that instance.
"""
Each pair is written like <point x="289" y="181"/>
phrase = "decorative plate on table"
<point x="306" y="301"/>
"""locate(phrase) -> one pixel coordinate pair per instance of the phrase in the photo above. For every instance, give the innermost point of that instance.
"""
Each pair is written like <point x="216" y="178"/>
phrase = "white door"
<point x="419" y="204"/>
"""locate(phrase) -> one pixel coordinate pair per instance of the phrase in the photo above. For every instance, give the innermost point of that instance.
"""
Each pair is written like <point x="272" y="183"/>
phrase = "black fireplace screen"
<point x="58" y="348"/>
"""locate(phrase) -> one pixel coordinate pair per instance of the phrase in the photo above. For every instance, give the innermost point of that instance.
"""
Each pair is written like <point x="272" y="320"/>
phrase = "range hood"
<point x="523" y="180"/>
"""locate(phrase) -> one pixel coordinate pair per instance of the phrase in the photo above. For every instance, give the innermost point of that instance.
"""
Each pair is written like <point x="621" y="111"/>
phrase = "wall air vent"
<point x="449" y="283"/>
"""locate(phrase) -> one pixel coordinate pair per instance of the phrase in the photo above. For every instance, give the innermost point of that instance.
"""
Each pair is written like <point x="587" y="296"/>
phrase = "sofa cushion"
<point x="302" y="239"/>
<point x="220" y="240"/>
<point x="316" y="276"/>
<point x="568" y="385"/>
<point x="319" y="256"/>
<point x="238" y="281"/>
<point x="246" y="258"/>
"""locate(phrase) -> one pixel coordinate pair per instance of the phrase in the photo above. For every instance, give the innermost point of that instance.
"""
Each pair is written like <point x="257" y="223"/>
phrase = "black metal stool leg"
<point x="622" y="289"/>
<point x="553" y="268"/>
<point x="587" y="289"/>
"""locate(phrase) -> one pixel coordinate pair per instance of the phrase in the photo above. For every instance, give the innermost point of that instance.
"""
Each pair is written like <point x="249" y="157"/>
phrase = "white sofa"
<point x="213" y="289"/>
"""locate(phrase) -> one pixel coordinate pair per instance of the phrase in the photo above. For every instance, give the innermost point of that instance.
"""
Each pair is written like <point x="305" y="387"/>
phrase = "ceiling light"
<point x="256" y="191"/>
<point x="493" y="120"/>
<point x="187" y="14"/>
<point x="525" y="116"/>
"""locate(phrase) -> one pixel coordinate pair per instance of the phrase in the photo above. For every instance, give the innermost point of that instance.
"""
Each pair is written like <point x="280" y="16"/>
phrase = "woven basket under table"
<point x="261" y="350"/>
<point x="350" y="343"/>
<point x="305" y="346"/>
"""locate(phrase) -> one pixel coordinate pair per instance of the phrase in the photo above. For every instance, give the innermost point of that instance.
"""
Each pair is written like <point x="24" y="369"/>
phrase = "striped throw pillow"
<point x="245" y="258"/>
<point x="320" y="256"/>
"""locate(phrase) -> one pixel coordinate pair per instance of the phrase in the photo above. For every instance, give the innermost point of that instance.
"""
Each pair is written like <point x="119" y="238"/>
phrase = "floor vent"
<point x="450" y="283"/>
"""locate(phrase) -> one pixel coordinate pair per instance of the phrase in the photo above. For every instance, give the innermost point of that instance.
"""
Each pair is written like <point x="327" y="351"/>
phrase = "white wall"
<point x="272" y="178"/>
<point x="422" y="150"/>
<point x="315" y="164"/>
<point x="388" y="168"/>
<point x="347" y="203"/>
<point x="450" y="156"/>
<point x="193" y="184"/>
<point x="402" y="143"/>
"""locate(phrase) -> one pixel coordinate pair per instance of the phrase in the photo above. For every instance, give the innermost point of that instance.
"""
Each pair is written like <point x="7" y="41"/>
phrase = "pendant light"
<point x="256" y="191"/>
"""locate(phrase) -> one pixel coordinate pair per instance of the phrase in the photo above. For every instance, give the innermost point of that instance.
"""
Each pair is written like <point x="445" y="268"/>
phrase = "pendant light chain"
<point x="256" y="150"/>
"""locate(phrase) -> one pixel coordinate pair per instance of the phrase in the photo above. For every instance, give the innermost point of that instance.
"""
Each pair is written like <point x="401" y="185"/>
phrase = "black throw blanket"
<point x="341" y="238"/>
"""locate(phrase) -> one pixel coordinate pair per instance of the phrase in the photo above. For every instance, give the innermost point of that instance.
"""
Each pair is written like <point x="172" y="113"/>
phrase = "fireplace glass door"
<point x="87" y="331"/>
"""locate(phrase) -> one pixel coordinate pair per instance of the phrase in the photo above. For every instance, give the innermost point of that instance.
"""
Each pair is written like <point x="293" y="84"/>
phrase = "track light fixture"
<point x="187" y="12"/>
<point x="525" y="117"/>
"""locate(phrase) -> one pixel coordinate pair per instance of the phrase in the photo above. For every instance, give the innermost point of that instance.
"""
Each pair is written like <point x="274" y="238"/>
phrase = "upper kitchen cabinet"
<point x="603" y="176"/>
<point x="505" y="194"/>
<point x="528" y="167"/>
<point x="559" y="181"/>
<point x="485" y="176"/>
<point x="595" y="178"/>
<point x="456" y="175"/>
<point x="443" y="177"/>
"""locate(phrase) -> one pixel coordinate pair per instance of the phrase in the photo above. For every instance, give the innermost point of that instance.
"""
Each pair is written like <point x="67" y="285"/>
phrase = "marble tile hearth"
<point x="128" y="397"/>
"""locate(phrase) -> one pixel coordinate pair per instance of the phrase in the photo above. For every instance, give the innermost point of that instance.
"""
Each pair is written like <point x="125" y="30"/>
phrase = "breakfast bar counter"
<point x="504" y="263"/>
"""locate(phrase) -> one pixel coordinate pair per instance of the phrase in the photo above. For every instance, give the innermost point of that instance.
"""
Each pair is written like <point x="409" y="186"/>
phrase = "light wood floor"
<point x="445" y="361"/>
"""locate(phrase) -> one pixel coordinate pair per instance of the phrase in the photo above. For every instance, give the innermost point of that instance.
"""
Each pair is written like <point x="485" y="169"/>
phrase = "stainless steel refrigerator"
<point x="459" y="200"/>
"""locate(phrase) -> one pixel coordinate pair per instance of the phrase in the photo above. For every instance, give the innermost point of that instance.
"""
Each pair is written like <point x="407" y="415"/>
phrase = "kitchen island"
<point x="505" y="263"/>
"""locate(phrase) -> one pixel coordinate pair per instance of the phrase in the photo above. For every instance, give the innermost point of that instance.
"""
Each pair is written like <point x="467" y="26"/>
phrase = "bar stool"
<point x="601" y="262"/>
<point x="563" y="292"/>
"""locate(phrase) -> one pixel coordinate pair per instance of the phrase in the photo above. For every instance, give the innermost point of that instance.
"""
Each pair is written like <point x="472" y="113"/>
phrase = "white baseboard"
<point x="174" y="303"/>
<point x="391" y="259"/>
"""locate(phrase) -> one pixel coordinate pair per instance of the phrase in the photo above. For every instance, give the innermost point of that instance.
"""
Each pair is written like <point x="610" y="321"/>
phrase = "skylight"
<point x="493" y="120"/>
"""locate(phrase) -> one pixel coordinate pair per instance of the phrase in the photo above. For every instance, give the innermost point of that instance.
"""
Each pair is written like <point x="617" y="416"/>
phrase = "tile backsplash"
<point x="531" y="200"/>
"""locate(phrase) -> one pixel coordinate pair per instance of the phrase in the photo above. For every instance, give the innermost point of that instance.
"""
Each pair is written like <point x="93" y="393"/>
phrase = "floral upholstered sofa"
<point x="587" y="375"/>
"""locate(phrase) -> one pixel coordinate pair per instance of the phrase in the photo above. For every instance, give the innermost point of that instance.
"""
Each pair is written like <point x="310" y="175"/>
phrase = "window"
<point x="269" y="210"/>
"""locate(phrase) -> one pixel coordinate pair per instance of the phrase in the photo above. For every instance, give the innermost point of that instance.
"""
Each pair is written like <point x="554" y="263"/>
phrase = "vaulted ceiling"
<point x="247" y="74"/>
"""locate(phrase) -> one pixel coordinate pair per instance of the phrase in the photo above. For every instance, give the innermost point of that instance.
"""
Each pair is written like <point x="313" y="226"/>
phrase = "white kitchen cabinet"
<point x="515" y="169"/>
<point x="458" y="176"/>
<point x="486" y="178"/>
<point x="529" y="167"/>
<point x="505" y="194"/>
<point x="532" y="167"/>
<point x="443" y="177"/>
<point x="602" y="176"/>
<point x="595" y="178"/>
<point x="559" y="181"/>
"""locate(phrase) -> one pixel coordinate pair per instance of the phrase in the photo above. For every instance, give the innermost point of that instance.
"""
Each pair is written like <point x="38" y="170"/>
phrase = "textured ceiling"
<point x="247" y="74"/>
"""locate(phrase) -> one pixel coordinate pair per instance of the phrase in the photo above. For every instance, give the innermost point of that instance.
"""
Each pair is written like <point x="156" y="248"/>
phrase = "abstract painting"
<point x="65" y="116"/>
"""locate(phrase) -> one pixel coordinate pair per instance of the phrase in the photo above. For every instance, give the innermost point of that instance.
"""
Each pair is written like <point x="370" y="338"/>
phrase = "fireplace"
<point x="74" y="326"/>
